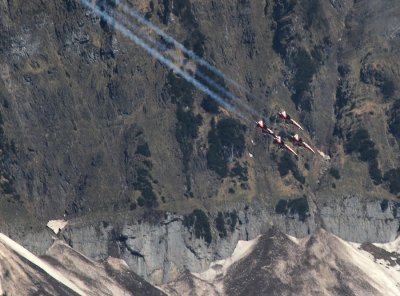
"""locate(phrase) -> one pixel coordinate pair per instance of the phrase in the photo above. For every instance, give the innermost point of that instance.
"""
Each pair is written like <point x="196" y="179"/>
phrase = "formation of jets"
<point x="278" y="140"/>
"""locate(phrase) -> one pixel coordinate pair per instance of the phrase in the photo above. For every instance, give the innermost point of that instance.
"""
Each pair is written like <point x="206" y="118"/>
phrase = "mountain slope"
<point x="276" y="264"/>
<point x="63" y="271"/>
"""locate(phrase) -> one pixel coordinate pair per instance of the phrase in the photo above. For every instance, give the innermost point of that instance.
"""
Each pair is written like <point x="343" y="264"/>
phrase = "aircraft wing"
<point x="268" y="134"/>
<point x="290" y="149"/>
<point x="296" y="124"/>
<point x="308" y="147"/>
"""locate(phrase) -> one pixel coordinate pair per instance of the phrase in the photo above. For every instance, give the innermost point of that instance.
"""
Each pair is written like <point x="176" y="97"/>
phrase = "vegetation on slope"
<point x="361" y="144"/>
<point x="287" y="164"/>
<point x="394" y="120"/>
<point x="181" y="93"/>
<point x="198" y="222"/>
<point x="226" y="140"/>
<point x="292" y="207"/>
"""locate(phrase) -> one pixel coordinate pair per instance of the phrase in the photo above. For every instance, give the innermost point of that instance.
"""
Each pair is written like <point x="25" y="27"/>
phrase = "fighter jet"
<point x="286" y="117"/>
<point x="261" y="125"/>
<point x="265" y="129"/>
<point x="299" y="141"/>
<point x="278" y="140"/>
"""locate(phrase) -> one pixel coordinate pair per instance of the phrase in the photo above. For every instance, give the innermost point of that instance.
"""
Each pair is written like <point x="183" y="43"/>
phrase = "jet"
<point x="261" y="125"/>
<point x="299" y="141"/>
<point x="286" y="117"/>
<point x="265" y="129"/>
<point x="278" y="140"/>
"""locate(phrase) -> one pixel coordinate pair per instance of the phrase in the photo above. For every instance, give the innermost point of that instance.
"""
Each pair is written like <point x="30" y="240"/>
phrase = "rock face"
<point x="161" y="251"/>
<point x="355" y="220"/>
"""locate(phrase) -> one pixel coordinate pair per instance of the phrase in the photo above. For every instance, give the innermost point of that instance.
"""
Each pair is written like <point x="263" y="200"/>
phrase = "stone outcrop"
<point x="161" y="251"/>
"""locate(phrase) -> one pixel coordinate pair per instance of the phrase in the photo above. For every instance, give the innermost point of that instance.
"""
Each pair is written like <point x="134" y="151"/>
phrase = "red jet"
<point x="265" y="129"/>
<point x="286" y="117"/>
<point x="299" y="141"/>
<point x="278" y="140"/>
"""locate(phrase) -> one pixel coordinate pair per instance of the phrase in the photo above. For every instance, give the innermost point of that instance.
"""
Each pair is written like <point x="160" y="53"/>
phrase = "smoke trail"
<point x="170" y="39"/>
<point x="200" y="74"/>
<point x="109" y="19"/>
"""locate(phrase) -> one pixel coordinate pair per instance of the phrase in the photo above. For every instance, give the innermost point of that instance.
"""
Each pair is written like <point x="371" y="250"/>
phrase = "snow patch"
<point x="57" y="225"/>
<point x="383" y="278"/>
<point x="218" y="269"/>
<point x="393" y="246"/>
<point x="117" y="264"/>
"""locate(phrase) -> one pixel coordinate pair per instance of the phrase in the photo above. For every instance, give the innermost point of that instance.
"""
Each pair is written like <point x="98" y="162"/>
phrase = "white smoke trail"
<point x="109" y="19"/>
<point x="200" y="74"/>
<point x="170" y="39"/>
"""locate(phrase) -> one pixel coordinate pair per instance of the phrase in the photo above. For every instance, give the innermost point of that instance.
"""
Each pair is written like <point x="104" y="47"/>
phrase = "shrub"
<point x="387" y="88"/>
<point x="392" y="177"/>
<point x="360" y="143"/>
<point x="233" y="220"/>
<point x="312" y="12"/>
<point x="148" y="15"/>
<point x="7" y="186"/>
<point x="231" y="133"/>
<point x="143" y="149"/>
<point x="224" y="139"/>
<point x="342" y="94"/>
<point x="199" y="221"/>
<point x="367" y="151"/>
<point x="210" y="105"/>
<point x="384" y="205"/>
<point x="344" y="70"/>
<point x="150" y="199"/>
<point x="281" y="207"/>
<point x="297" y="206"/>
<point x="394" y="121"/>
<point x="298" y="176"/>
<point x="183" y="10"/>
<point x="286" y="164"/>
<point x="216" y="156"/>
<point x="179" y="90"/>
<point x="203" y="71"/>
<point x="187" y="126"/>
<point x="140" y="201"/>
<point x="305" y="69"/>
<point x="142" y="183"/>
<point x="164" y="16"/>
<point x="239" y="171"/>
<point x="216" y="160"/>
<point x="334" y="173"/>
<point x="283" y="33"/>
<point x="374" y="171"/>
<point x="133" y="206"/>
<point x="220" y="225"/>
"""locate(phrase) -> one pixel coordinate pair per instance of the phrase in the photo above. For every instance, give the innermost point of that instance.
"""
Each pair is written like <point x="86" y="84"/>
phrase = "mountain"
<point x="271" y="264"/>
<point x="146" y="168"/>
<point x="63" y="271"/>
<point x="277" y="264"/>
